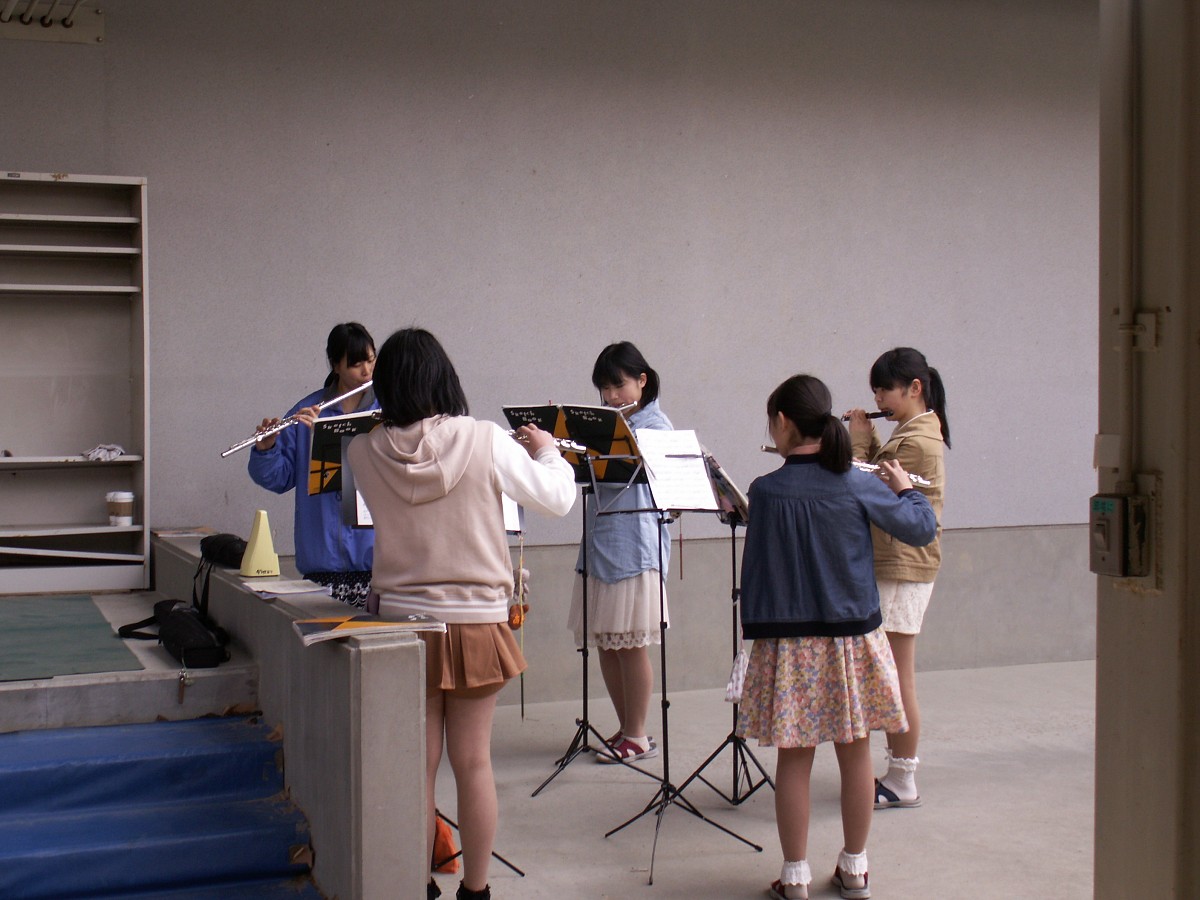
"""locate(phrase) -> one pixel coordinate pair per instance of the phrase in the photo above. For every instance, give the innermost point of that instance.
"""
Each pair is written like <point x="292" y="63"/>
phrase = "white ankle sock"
<point x="901" y="777"/>
<point x="853" y="867"/>
<point x="794" y="878"/>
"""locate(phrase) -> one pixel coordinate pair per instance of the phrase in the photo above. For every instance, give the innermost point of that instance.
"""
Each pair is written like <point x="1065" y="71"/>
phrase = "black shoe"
<point x="464" y="894"/>
<point x="432" y="892"/>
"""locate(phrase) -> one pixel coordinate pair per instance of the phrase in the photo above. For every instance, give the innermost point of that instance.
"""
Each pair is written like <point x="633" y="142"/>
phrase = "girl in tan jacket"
<point x="909" y="392"/>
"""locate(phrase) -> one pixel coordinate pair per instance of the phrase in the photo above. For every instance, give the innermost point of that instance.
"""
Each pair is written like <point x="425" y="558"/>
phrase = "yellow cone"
<point x="260" y="557"/>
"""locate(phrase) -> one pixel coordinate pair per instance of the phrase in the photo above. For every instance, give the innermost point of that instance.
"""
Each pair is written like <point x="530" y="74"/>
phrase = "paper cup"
<point x="120" y="507"/>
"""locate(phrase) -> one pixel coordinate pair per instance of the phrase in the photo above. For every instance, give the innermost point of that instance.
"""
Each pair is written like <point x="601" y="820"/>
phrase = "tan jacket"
<point x="917" y="445"/>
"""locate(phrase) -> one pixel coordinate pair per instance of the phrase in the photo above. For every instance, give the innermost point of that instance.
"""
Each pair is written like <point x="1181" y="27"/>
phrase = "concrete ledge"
<point x="352" y="716"/>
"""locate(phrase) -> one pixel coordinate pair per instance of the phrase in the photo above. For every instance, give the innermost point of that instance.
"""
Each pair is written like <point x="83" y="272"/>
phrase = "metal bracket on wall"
<point x="1144" y="330"/>
<point x="51" y="20"/>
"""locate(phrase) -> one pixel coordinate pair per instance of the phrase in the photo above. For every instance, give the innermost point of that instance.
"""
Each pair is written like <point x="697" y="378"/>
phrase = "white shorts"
<point x="903" y="604"/>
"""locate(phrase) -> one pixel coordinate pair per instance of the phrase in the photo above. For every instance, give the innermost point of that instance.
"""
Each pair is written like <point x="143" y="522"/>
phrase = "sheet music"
<point x="362" y="515"/>
<point x="676" y="471"/>
<point x="512" y="514"/>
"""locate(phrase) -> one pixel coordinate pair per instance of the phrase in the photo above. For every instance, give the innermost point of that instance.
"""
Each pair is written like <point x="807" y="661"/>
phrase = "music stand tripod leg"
<point x="741" y="750"/>
<point x="667" y="794"/>
<point x="438" y="863"/>
<point x="579" y="743"/>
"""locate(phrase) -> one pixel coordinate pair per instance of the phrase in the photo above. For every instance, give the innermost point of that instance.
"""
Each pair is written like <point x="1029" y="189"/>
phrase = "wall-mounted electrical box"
<point x="1118" y="537"/>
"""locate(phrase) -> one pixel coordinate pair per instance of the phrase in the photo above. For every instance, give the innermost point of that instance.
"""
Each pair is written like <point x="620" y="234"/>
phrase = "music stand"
<point x="438" y="863"/>
<point x="594" y="431"/>
<point x="743" y="784"/>
<point x="670" y="465"/>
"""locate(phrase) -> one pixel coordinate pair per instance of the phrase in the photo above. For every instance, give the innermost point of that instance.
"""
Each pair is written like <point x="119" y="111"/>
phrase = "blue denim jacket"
<point x="807" y="566"/>
<point x="622" y="545"/>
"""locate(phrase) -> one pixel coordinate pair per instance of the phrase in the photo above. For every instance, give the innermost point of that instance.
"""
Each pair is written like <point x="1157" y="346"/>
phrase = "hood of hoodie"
<point x="425" y="460"/>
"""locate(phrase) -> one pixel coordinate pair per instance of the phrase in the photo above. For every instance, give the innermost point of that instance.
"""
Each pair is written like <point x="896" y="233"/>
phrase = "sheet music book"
<point x="676" y="470"/>
<point x="602" y="430"/>
<point x="735" y="505"/>
<point x="329" y="435"/>
<point x="328" y="628"/>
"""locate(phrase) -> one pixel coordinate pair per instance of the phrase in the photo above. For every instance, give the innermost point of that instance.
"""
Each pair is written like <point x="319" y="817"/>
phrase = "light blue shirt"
<point x="622" y="545"/>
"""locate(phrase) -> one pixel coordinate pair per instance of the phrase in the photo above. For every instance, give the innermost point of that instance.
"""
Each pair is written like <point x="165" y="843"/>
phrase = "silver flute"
<point x="565" y="445"/>
<point x="863" y="466"/>
<point x="289" y="422"/>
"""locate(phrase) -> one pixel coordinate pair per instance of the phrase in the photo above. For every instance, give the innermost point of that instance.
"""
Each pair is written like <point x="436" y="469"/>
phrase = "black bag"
<point x="223" y="550"/>
<point x="185" y="630"/>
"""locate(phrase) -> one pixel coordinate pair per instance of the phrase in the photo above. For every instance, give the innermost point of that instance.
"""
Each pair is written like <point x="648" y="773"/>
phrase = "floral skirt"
<point x="805" y="691"/>
<point x="621" y="615"/>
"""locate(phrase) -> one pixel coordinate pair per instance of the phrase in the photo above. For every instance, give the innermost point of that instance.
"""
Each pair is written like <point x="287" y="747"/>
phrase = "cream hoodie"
<point x="433" y="490"/>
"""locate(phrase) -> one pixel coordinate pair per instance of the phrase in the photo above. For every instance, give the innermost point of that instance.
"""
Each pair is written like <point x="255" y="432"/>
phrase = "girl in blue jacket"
<point x="820" y="668"/>
<point x="328" y="551"/>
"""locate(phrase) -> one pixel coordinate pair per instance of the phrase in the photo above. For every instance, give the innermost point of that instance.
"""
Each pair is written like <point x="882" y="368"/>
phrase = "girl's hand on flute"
<point x="894" y="476"/>
<point x="269" y="441"/>
<point x="533" y="439"/>
<point x="308" y="414"/>
<point x="857" y="422"/>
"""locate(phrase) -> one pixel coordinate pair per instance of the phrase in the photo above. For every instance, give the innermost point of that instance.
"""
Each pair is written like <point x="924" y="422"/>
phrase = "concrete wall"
<point x="744" y="189"/>
<point x="1005" y="597"/>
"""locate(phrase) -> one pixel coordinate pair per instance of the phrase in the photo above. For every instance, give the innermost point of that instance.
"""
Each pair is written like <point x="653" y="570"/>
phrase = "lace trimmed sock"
<point x="794" y="879"/>
<point x="901" y="777"/>
<point x="850" y="876"/>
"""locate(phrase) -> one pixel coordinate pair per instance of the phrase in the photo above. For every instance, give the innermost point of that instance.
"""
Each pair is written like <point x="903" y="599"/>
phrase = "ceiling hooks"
<point x="76" y="27"/>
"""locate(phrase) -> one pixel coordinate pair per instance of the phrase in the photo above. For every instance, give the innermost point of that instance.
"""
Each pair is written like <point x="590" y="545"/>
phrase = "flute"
<point x="289" y="422"/>
<point x="565" y="445"/>
<point x="862" y="466"/>
<point x="871" y="415"/>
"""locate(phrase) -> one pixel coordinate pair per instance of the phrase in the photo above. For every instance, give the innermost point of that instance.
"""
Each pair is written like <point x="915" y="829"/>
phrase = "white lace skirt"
<point x="620" y="616"/>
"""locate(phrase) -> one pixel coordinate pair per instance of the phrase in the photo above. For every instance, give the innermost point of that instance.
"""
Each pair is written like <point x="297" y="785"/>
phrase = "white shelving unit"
<point x="73" y="376"/>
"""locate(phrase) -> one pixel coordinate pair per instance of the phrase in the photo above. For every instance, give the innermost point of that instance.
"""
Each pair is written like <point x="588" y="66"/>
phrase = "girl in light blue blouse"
<point x="623" y="556"/>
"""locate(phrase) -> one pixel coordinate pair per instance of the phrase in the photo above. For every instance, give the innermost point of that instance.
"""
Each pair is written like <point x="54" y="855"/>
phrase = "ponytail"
<point x="936" y="400"/>
<point x="835" y="451"/>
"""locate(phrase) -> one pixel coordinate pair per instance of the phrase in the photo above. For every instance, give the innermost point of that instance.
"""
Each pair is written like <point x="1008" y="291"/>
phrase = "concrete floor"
<point x="1006" y="775"/>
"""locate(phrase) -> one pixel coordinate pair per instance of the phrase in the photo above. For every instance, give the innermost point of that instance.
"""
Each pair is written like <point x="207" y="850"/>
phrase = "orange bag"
<point x="444" y="849"/>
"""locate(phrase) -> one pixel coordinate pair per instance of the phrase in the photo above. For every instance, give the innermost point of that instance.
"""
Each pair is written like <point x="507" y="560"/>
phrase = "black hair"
<point x="805" y="401"/>
<point x="622" y="360"/>
<point x="902" y="366"/>
<point x="414" y="379"/>
<point x="348" y="341"/>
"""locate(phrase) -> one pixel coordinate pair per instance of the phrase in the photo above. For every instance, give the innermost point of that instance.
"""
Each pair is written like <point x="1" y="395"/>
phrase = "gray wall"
<point x="744" y="189"/>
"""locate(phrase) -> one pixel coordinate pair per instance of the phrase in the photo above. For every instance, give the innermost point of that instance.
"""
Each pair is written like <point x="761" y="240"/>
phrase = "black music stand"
<point x="438" y="863"/>
<point x="743" y="784"/>
<point x="668" y="794"/>
<point x="594" y="442"/>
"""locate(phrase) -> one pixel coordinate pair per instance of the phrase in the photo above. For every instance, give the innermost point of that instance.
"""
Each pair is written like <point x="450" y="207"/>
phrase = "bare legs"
<point x="793" y="772"/>
<point x="858" y="793"/>
<point x="629" y="679"/>
<point x="904" y="650"/>
<point x="467" y="728"/>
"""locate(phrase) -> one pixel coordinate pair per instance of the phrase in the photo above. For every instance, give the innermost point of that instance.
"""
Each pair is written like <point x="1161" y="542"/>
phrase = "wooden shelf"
<point x="70" y="289"/>
<point x="73" y="266"/>
<point x="42" y="219"/>
<point x="9" y="532"/>
<point x="63" y="250"/>
<point x="63" y="462"/>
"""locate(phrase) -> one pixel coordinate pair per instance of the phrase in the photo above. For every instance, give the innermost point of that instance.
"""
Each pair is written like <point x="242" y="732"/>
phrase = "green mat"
<point x="41" y="637"/>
